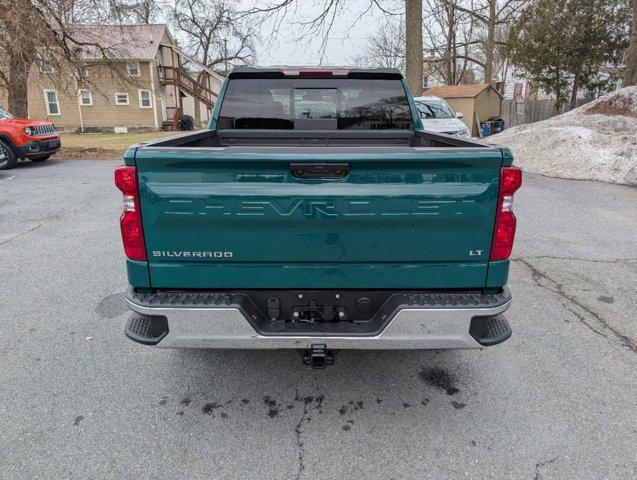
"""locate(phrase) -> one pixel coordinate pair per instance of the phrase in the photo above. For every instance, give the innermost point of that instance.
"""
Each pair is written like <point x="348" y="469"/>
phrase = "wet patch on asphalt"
<point x="208" y="408"/>
<point x="274" y="406"/>
<point x="111" y="306"/>
<point x="439" y="378"/>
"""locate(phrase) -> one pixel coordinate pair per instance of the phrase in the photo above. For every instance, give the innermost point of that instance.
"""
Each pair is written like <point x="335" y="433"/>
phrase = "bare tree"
<point x="35" y="33"/>
<point x="491" y="14"/>
<point x="321" y="23"/>
<point x="450" y="41"/>
<point x="215" y="32"/>
<point x="501" y="62"/>
<point x="413" y="45"/>
<point x="76" y="11"/>
<point x="19" y="53"/>
<point x="459" y="35"/>
<point x="387" y="47"/>
<point x="135" y="11"/>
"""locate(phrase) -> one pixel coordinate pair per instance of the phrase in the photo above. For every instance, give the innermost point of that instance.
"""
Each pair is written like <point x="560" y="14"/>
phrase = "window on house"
<point x="86" y="98"/>
<point x="144" y="99"/>
<point x="121" y="99"/>
<point x="45" y="62"/>
<point x="52" y="104"/>
<point x="133" y="69"/>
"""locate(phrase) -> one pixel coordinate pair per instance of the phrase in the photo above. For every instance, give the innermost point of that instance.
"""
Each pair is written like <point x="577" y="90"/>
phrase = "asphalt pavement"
<point x="79" y="400"/>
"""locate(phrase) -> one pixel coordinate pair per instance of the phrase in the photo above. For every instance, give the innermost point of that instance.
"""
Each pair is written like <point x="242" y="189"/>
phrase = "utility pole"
<point x="225" y="53"/>
<point x="413" y="45"/>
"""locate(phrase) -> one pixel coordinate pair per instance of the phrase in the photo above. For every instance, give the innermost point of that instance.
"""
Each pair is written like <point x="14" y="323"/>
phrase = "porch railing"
<point x="183" y="80"/>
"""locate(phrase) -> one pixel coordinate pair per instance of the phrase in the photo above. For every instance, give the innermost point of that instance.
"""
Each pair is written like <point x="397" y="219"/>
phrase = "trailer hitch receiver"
<point x="318" y="357"/>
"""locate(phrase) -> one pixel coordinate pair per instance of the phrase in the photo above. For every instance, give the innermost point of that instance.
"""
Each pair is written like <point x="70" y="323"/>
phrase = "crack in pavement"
<point x="29" y="230"/>
<point x="540" y="465"/>
<point x="43" y="223"/>
<point x="305" y="418"/>
<point x="299" y="443"/>
<point x="558" y="289"/>
<point x="583" y="320"/>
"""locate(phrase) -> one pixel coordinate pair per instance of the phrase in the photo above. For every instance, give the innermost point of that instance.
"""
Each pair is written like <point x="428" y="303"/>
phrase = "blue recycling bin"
<point x="498" y="125"/>
<point x="486" y="128"/>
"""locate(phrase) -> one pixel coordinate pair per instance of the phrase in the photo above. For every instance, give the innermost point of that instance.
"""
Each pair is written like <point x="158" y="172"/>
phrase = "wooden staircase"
<point x="183" y="81"/>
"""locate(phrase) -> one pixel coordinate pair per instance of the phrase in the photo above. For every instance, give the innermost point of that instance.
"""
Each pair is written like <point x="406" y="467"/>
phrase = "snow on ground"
<point x="597" y="141"/>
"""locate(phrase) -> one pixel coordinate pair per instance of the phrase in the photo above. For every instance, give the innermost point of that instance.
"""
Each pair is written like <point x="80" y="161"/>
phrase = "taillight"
<point x="504" y="231"/>
<point x="130" y="221"/>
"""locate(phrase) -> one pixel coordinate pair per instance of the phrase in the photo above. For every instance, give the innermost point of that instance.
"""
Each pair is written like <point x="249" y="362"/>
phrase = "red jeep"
<point x="24" y="138"/>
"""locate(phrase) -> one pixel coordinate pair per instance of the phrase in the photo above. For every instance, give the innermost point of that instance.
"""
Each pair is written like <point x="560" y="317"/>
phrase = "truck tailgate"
<point x="237" y="218"/>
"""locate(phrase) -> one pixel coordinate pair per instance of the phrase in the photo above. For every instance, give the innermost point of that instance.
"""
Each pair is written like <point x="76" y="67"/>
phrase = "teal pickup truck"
<point x="315" y="213"/>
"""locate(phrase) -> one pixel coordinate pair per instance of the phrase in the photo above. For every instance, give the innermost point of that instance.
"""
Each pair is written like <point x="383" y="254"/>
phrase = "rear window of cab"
<point x="321" y="104"/>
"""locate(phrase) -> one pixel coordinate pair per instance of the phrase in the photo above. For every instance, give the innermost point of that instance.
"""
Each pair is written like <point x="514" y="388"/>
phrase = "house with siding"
<point x="132" y="77"/>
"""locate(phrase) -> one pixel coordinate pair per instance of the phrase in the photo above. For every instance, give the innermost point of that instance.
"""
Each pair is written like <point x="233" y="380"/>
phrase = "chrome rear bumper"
<point x="226" y="327"/>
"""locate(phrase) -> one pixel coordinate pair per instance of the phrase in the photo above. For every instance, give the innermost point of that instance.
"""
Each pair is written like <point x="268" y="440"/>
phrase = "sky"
<point x="291" y="47"/>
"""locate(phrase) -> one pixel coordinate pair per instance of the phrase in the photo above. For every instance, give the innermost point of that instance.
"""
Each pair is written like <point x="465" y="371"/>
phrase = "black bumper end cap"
<point x="146" y="329"/>
<point x="491" y="330"/>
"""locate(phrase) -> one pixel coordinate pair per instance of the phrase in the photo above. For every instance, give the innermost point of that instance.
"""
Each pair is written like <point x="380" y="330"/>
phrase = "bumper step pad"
<point x="146" y="329"/>
<point x="489" y="331"/>
<point x="222" y="299"/>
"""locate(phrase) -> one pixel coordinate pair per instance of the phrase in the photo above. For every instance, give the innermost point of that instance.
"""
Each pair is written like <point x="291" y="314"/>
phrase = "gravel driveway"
<point x="79" y="400"/>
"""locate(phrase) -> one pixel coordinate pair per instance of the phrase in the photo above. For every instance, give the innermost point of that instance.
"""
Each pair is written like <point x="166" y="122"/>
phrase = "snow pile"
<point x="597" y="141"/>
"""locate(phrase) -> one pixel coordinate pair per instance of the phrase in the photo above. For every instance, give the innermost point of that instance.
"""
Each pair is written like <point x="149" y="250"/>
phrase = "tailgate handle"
<point x="319" y="170"/>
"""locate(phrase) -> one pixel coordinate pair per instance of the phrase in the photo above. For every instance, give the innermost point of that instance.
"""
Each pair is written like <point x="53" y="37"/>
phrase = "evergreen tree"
<point x="561" y="44"/>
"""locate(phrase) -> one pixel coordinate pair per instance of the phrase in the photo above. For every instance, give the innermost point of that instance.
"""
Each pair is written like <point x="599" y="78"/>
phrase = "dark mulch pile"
<point x="615" y="105"/>
<point x="92" y="153"/>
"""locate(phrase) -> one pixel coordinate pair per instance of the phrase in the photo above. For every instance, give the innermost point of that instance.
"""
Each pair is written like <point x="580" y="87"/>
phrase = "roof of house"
<point x="121" y="42"/>
<point x="458" y="91"/>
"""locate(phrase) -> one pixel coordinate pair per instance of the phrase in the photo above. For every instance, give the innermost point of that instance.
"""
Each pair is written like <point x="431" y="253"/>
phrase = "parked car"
<point x="437" y="116"/>
<point x="349" y="229"/>
<point x="21" y="138"/>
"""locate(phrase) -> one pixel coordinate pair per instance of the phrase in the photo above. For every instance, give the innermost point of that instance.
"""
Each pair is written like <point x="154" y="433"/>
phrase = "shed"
<point x="477" y="102"/>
